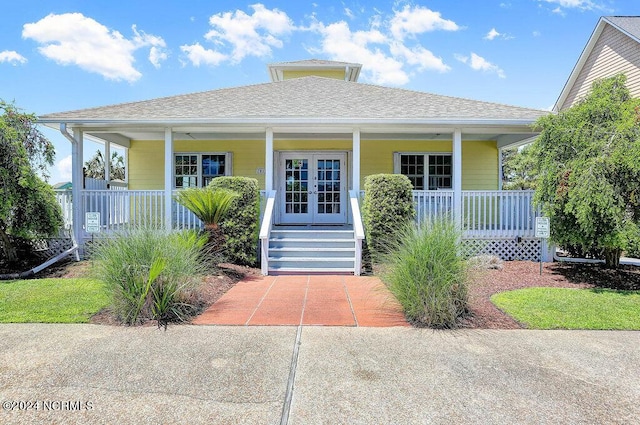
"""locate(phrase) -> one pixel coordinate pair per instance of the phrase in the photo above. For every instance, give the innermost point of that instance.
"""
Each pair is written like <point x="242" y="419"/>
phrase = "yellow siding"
<point x="377" y="155"/>
<point x="479" y="158"/>
<point x="479" y="165"/>
<point x="337" y="74"/>
<point x="612" y="54"/>
<point x="146" y="165"/>
<point x="146" y="159"/>
<point x="312" y="145"/>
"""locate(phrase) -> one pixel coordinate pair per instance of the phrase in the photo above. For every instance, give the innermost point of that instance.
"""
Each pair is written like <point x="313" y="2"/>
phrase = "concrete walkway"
<point x="88" y="374"/>
<point x="327" y="300"/>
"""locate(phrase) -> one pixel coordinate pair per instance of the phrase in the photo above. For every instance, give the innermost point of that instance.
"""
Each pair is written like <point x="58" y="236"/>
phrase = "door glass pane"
<point x="296" y="178"/>
<point x="329" y="175"/>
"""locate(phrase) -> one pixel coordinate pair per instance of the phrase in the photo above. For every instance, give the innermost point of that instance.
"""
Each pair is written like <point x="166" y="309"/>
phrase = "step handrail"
<point x="358" y="230"/>
<point x="265" y="231"/>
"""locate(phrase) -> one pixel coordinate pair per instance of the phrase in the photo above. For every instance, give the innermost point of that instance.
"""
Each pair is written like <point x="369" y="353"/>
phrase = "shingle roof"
<point x="629" y="24"/>
<point x="300" y="98"/>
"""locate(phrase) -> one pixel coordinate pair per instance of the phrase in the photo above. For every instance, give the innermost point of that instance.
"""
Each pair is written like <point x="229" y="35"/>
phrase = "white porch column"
<point x="268" y="160"/>
<point x="356" y="160"/>
<point x="168" y="178"/>
<point x="77" y="179"/>
<point x="107" y="161"/>
<point x="457" y="176"/>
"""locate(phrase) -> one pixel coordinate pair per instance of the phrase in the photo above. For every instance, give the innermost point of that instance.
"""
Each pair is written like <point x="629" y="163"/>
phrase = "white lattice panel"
<point x="506" y="249"/>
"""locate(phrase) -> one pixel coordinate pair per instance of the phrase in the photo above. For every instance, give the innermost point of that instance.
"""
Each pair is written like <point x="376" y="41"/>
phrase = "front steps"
<point x="311" y="250"/>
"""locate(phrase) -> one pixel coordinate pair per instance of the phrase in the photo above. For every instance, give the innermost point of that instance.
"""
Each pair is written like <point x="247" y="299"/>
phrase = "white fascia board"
<point x="578" y="66"/>
<point x="129" y="123"/>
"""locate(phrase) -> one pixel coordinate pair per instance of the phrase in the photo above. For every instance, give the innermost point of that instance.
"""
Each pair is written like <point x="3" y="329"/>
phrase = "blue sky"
<point x="73" y="54"/>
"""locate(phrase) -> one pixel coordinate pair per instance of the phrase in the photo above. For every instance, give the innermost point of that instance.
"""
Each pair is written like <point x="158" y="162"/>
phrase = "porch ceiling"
<point x="504" y="137"/>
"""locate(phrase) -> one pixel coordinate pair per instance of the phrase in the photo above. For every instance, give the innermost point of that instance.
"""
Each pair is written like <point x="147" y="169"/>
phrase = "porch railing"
<point x="498" y="213"/>
<point x="485" y="214"/>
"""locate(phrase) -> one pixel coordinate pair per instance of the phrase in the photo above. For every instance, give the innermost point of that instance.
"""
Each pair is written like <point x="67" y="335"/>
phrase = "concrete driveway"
<point x="87" y="374"/>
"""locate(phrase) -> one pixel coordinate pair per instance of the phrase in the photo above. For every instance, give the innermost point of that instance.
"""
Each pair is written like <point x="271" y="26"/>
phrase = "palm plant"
<point x="210" y="206"/>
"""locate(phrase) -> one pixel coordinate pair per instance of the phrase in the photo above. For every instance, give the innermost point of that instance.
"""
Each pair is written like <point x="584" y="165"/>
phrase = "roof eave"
<point x="284" y="121"/>
<point x="595" y="35"/>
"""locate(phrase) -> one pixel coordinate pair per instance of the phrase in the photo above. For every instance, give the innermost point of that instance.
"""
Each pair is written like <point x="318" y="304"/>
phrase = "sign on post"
<point x="542" y="231"/>
<point x="92" y="222"/>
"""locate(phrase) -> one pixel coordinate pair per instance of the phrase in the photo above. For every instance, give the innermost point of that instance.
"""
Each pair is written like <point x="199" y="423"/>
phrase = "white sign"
<point x="543" y="229"/>
<point x="92" y="222"/>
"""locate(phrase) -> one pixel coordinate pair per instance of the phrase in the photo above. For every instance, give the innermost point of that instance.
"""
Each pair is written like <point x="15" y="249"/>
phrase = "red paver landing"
<point x="324" y="300"/>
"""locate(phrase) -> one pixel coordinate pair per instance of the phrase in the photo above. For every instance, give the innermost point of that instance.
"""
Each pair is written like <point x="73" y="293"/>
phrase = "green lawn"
<point x="564" y="308"/>
<point x="51" y="300"/>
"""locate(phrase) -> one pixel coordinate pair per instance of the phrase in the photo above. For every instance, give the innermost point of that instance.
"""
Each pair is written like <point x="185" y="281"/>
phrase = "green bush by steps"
<point x="425" y="271"/>
<point x="240" y="224"/>
<point x="387" y="207"/>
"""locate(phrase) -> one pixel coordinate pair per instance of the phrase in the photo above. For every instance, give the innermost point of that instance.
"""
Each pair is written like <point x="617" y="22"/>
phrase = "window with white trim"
<point x="198" y="169"/>
<point x="427" y="171"/>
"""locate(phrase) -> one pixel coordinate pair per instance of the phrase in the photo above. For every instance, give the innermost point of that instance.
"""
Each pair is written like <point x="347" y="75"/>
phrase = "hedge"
<point x="240" y="226"/>
<point x="387" y="206"/>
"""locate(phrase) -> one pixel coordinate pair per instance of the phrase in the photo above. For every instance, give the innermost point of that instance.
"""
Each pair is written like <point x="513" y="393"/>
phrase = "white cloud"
<point x="157" y="55"/>
<point x="64" y="168"/>
<point x="340" y="43"/>
<point x="349" y="13"/>
<point x="492" y="34"/>
<point x="461" y="58"/>
<point x="423" y="58"/>
<point x="249" y="35"/>
<point x="576" y="4"/>
<point x="536" y="33"/>
<point x="158" y="52"/>
<point x="414" y="20"/>
<point x="479" y="63"/>
<point x="12" y="57"/>
<point x="74" y="39"/>
<point x="381" y="46"/>
<point x="199" y="55"/>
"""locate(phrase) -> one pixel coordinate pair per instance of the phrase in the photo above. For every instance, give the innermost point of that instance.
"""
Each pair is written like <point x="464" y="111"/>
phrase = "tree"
<point x="589" y="162"/>
<point x="519" y="168"/>
<point x="28" y="207"/>
<point x="95" y="166"/>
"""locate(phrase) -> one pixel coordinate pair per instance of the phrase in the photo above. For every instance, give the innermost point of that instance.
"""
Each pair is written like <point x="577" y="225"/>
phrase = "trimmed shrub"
<point x="427" y="274"/>
<point x="387" y="207"/>
<point x="240" y="224"/>
<point x="632" y="248"/>
<point x="150" y="274"/>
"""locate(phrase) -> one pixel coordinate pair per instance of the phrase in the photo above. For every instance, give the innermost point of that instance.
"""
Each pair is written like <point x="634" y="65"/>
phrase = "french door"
<point x="313" y="188"/>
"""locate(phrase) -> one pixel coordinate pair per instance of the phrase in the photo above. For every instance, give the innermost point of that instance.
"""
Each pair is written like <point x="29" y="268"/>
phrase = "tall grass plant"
<point x="427" y="274"/>
<point x="151" y="274"/>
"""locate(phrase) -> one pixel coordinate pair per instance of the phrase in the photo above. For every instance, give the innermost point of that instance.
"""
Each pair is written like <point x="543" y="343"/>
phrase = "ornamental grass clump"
<point x="426" y="273"/>
<point x="151" y="274"/>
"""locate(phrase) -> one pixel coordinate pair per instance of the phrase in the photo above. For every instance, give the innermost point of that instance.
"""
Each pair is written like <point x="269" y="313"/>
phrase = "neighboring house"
<point x="62" y="186"/>
<point x="310" y="137"/>
<point x="613" y="48"/>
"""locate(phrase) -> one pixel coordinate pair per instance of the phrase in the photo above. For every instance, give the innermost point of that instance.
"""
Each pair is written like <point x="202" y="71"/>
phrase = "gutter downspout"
<point x="77" y="185"/>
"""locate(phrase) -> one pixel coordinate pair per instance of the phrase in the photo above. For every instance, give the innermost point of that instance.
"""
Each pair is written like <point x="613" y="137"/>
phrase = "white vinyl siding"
<point x="612" y="54"/>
